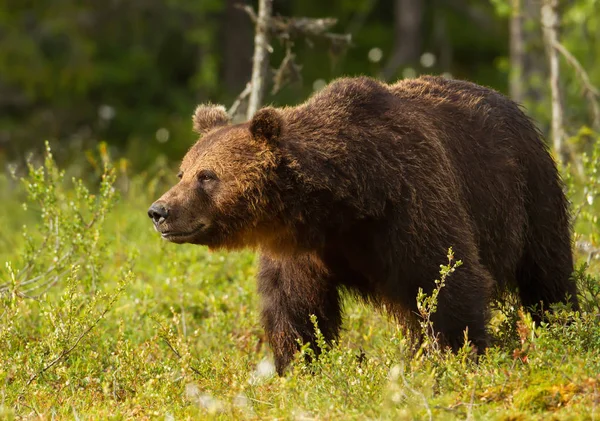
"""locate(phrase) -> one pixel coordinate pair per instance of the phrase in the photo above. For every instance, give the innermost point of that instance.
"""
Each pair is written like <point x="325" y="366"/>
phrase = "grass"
<point x="100" y="319"/>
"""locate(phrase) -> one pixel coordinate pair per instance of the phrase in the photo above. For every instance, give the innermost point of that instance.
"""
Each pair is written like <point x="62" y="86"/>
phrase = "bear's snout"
<point x="158" y="212"/>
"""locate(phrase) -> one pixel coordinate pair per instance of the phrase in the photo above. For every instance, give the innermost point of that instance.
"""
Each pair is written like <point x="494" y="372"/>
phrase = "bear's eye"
<point x="206" y="176"/>
<point x="180" y="175"/>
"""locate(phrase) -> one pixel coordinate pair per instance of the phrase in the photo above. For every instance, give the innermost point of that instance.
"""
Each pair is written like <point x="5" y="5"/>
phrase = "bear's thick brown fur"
<point x="365" y="187"/>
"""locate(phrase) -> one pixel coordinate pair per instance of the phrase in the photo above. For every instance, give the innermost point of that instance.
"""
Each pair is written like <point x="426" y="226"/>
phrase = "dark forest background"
<point x="130" y="72"/>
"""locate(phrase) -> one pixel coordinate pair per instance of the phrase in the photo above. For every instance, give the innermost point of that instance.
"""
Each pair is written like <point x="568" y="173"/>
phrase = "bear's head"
<point x="223" y="194"/>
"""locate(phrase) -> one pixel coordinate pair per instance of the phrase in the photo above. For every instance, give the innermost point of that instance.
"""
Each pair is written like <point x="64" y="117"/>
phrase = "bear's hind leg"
<point x="544" y="271"/>
<point x="544" y="277"/>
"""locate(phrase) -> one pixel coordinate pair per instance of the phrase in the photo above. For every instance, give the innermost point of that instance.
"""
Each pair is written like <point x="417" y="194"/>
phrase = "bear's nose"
<point x="158" y="213"/>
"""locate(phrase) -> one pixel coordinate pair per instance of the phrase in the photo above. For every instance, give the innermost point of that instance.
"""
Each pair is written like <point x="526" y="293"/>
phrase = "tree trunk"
<point x="517" y="52"/>
<point x="260" y="61"/>
<point x="408" y="18"/>
<point x="534" y="57"/>
<point x="550" y="22"/>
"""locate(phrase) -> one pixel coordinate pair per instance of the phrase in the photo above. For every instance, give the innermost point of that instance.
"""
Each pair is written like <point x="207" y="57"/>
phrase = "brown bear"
<point x="365" y="187"/>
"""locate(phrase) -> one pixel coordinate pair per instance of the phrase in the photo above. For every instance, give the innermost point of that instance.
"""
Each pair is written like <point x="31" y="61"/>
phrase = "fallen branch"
<point x="286" y="30"/>
<point x="284" y="27"/>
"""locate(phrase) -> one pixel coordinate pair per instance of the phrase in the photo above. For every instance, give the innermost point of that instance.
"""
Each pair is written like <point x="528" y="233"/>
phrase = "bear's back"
<point x="498" y="156"/>
<point x="467" y="145"/>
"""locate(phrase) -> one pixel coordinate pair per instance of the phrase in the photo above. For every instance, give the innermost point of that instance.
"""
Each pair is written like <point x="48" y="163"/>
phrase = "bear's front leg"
<point x="293" y="288"/>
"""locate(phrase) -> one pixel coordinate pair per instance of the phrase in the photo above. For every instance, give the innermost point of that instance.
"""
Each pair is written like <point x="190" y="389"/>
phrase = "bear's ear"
<point x="209" y="116"/>
<point x="267" y="125"/>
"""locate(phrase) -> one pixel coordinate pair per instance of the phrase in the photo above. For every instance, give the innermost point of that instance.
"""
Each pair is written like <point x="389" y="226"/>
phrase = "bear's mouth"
<point x="178" y="236"/>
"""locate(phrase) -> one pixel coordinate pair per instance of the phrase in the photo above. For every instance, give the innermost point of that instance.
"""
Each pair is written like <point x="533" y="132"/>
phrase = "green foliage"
<point x="131" y="73"/>
<point x="580" y="34"/>
<point x="69" y="231"/>
<point x="51" y="296"/>
<point x="589" y="195"/>
<point x="503" y="7"/>
<point x="584" y="192"/>
<point x="79" y="73"/>
<point x="427" y="305"/>
<point x="127" y="326"/>
<point x="589" y="288"/>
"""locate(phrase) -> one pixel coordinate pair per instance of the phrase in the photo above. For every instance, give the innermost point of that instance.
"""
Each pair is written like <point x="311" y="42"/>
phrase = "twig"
<point x="416" y="393"/>
<point x="23" y="272"/>
<point x="288" y="71"/>
<point x="51" y="281"/>
<point x="452" y="408"/>
<point x="262" y="402"/>
<point x="238" y="101"/>
<point x="471" y="403"/>
<point x="591" y="92"/>
<point x="249" y="10"/>
<point x="67" y="351"/>
<point x="586" y="247"/>
<point x="286" y="29"/>
<point x="178" y="354"/>
<point x="343" y="39"/>
<point x="183" y="323"/>
<point x="33" y="409"/>
<point x="48" y="285"/>
<point x="575" y="63"/>
<point x="5" y="287"/>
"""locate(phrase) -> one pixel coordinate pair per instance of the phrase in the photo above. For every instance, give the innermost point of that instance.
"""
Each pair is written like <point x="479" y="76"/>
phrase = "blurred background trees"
<point x="130" y="72"/>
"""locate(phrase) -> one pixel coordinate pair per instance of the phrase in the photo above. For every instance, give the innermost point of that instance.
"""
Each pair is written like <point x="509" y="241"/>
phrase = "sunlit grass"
<point x="134" y="327"/>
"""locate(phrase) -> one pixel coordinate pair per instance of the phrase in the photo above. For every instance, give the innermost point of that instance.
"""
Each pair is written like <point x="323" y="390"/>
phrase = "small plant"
<point x="589" y="290"/>
<point x="178" y="344"/>
<point x="427" y="306"/>
<point x="51" y="296"/>
<point x="584" y="191"/>
<point x="503" y="324"/>
<point x="526" y="331"/>
<point x="71" y="221"/>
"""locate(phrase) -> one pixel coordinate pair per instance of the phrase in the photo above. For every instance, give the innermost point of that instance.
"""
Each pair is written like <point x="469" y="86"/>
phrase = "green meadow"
<point x="101" y="319"/>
